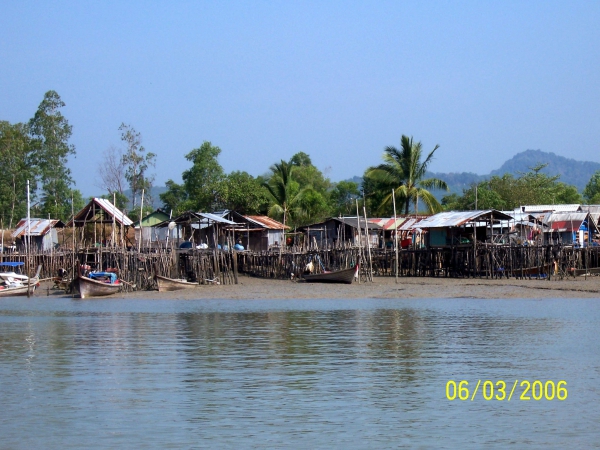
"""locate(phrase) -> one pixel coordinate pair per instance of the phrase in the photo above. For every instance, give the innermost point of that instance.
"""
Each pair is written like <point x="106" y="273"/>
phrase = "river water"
<point x="296" y="373"/>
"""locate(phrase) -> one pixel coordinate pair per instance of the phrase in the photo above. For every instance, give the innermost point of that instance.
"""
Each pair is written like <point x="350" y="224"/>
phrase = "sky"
<point x="340" y="81"/>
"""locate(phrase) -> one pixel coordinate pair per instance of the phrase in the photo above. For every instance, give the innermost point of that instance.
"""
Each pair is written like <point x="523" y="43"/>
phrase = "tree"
<point x="136" y="162"/>
<point x="245" y="194"/>
<point x="17" y="159"/>
<point x="591" y="192"/>
<point x="51" y="132"/>
<point x="507" y="192"/>
<point x="175" y="198"/>
<point x="343" y="197"/>
<point x="203" y="182"/>
<point x="403" y="171"/>
<point x="112" y="176"/>
<point x="285" y="192"/>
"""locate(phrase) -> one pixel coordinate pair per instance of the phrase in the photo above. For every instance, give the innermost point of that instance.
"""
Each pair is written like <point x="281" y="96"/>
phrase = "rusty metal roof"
<point x="266" y="222"/>
<point x="458" y="218"/>
<point x="37" y="227"/>
<point x="388" y="223"/>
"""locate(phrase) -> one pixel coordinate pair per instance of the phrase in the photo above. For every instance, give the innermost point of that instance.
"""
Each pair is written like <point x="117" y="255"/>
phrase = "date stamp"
<point x="490" y="390"/>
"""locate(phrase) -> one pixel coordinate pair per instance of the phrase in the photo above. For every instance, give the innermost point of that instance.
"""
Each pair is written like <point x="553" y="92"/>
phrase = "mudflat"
<point x="386" y="287"/>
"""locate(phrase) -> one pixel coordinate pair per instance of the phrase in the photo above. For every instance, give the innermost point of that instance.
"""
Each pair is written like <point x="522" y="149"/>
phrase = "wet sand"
<point x="381" y="287"/>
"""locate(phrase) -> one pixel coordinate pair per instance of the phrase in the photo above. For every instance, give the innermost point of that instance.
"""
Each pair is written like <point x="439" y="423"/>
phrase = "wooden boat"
<point x="337" y="276"/>
<point x="6" y="275"/>
<point x="12" y="288"/>
<point x="88" y="287"/>
<point x="172" y="284"/>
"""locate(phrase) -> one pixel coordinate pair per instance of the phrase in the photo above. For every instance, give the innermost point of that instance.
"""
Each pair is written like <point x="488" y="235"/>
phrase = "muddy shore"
<point x="383" y="287"/>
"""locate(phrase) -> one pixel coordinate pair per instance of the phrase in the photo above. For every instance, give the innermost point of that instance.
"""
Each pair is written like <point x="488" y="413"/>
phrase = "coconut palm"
<point x="403" y="171"/>
<point x="285" y="192"/>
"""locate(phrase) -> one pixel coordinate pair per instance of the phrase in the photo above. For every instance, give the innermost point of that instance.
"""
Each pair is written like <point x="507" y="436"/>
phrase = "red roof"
<point x="266" y="222"/>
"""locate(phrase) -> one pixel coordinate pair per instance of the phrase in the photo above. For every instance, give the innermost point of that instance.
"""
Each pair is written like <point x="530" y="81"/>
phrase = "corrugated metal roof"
<point x="84" y="214"/>
<point x="458" y="218"/>
<point x="266" y="222"/>
<point x="388" y="223"/>
<point x="113" y="211"/>
<point x="37" y="227"/>
<point x="353" y="222"/>
<point x="410" y="224"/>
<point x="544" y="208"/>
<point x="570" y="221"/>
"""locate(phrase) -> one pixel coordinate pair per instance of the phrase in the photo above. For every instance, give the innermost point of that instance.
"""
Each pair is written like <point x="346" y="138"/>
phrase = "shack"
<point x="256" y="233"/>
<point x="570" y="228"/>
<point x="102" y="223"/>
<point x="149" y="233"/>
<point x="43" y="234"/>
<point x="459" y="228"/>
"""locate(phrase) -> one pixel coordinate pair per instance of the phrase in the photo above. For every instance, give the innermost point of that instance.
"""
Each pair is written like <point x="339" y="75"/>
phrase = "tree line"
<point x="295" y="191"/>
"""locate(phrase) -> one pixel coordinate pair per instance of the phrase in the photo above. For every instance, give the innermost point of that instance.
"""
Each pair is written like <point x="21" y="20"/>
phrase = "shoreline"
<point x="251" y="288"/>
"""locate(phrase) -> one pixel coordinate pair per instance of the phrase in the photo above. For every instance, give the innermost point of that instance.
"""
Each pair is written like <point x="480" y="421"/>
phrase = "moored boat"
<point x="337" y="276"/>
<point x="90" y="287"/>
<point x="17" y="287"/>
<point x="11" y="271"/>
<point x="172" y="284"/>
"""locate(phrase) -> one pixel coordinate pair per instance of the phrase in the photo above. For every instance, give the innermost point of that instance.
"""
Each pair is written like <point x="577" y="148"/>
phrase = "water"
<point x="294" y="374"/>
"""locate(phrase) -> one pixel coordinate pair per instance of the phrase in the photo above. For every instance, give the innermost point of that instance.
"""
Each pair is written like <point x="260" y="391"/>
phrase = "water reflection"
<point x="350" y="374"/>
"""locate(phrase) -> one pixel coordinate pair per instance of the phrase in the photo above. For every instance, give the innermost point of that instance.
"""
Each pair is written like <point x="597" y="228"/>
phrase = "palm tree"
<point x="284" y="191"/>
<point x="403" y="172"/>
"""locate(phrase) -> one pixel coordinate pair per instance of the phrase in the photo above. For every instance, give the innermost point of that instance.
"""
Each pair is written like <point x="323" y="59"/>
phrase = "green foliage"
<point x="299" y="192"/>
<point x="403" y="171"/>
<point x="175" y="198"/>
<point x="507" y="192"/>
<point x="245" y="194"/>
<point x="591" y="192"/>
<point x="342" y="198"/>
<point x="203" y="182"/>
<point x="50" y="132"/>
<point x="136" y="162"/>
<point x="301" y="159"/>
<point x="285" y="192"/>
<point x="17" y="160"/>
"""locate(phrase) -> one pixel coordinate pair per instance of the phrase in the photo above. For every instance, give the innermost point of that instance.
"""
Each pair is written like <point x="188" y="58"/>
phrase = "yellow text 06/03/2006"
<point x="501" y="391"/>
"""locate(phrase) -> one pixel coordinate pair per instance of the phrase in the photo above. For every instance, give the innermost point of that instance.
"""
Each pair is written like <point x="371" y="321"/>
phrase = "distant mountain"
<point x="571" y="171"/>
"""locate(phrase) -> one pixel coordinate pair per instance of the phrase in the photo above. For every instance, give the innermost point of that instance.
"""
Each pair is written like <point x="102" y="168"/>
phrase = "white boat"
<point x="12" y="271"/>
<point x="15" y="287"/>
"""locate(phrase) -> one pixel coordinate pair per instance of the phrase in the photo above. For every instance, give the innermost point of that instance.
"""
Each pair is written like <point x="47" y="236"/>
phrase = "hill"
<point x="571" y="171"/>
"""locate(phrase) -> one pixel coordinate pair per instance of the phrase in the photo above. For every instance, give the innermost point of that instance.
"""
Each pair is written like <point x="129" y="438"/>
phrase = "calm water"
<point x="294" y="374"/>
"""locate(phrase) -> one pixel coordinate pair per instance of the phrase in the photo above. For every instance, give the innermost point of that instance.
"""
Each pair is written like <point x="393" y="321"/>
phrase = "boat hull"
<point x="14" y="291"/>
<point x="345" y="276"/>
<point x="91" y="288"/>
<point x="169" y="284"/>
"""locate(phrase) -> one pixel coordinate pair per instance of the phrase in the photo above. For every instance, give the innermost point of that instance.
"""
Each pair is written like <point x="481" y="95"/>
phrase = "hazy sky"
<point x="337" y="80"/>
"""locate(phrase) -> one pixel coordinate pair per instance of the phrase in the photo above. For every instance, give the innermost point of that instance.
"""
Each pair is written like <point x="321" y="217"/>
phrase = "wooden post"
<point x="359" y="237"/>
<point x="368" y="245"/>
<point x="395" y="234"/>
<point x="234" y="255"/>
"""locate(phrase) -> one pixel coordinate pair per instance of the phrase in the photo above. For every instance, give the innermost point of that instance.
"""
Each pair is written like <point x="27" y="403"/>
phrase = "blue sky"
<point x="337" y="80"/>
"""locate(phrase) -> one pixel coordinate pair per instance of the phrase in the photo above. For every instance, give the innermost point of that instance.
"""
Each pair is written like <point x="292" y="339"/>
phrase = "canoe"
<point x="94" y="288"/>
<point x="338" y="276"/>
<point x="172" y="284"/>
